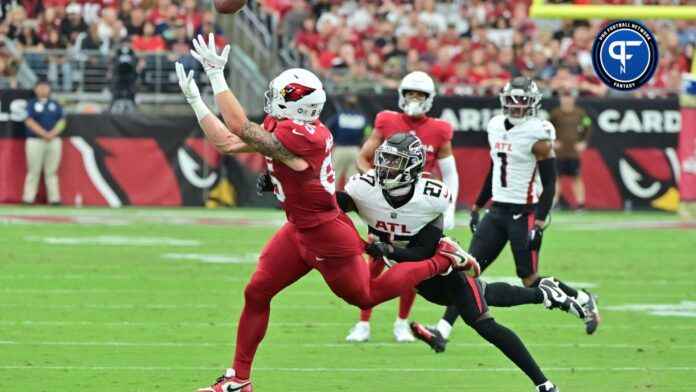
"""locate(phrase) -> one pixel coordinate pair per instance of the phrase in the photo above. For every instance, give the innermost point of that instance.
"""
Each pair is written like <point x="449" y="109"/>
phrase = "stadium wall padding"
<point x="138" y="159"/>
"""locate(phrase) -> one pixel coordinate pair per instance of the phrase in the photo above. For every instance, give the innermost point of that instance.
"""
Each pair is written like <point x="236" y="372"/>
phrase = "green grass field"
<point x="147" y="299"/>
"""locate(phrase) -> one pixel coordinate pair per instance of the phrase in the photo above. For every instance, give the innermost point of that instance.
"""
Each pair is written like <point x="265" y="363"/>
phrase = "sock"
<point x="568" y="290"/>
<point x="505" y="295"/>
<point x="365" y="315"/>
<point x="400" y="321"/>
<point x="363" y="323"/>
<point x="445" y="328"/>
<point x="406" y="303"/>
<point x="451" y="314"/>
<point x="582" y="297"/>
<point x="513" y="348"/>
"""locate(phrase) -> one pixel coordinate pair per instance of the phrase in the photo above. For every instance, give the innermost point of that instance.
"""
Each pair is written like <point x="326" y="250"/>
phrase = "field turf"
<point x="147" y="300"/>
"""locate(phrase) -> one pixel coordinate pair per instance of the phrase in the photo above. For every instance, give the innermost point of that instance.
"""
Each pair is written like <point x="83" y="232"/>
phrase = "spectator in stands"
<point x="17" y="17"/>
<point x="109" y="23"/>
<point x="30" y="40"/>
<point x="47" y="21"/>
<point x="181" y="46"/>
<point x="358" y="79"/>
<point x="134" y="25"/>
<point x="393" y="73"/>
<point x="43" y="146"/>
<point x="58" y="60"/>
<point x="191" y="17"/>
<point x="72" y="24"/>
<point x="307" y="39"/>
<point x="294" y="19"/>
<point x="348" y="128"/>
<point x="159" y="14"/>
<point x="148" y="42"/>
<point x="165" y="29"/>
<point x="208" y="26"/>
<point x="8" y="79"/>
<point x="573" y="129"/>
<point x="433" y="21"/>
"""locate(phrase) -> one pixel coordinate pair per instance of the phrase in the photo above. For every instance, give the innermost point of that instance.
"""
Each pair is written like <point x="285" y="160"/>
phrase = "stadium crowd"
<point x="468" y="46"/>
<point x="30" y="29"/>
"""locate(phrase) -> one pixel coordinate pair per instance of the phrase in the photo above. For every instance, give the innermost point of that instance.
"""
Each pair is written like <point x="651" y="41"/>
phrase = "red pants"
<point x="405" y="300"/>
<point x="285" y="259"/>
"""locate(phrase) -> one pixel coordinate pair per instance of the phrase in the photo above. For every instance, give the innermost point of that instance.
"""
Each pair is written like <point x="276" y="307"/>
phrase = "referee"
<point x="44" y="123"/>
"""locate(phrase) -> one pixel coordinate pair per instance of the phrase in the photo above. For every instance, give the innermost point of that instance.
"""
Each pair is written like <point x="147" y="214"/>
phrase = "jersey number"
<point x="432" y="189"/>
<point x="368" y="178"/>
<point x="503" y="169"/>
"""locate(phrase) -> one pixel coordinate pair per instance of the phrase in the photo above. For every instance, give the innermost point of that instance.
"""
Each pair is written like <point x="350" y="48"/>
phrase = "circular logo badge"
<point x="624" y="55"/>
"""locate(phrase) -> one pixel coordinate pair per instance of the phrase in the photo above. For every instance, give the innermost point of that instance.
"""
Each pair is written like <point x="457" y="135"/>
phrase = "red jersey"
<point x="307" y="196"/>
<point x="433" y="132"/>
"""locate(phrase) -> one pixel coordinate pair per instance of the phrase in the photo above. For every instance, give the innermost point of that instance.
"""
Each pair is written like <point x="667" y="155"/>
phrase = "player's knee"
<point x="473" y="321"/>
<point x="531" y="280"/>
<point x="259" y="288"/>
<point x="484" y="325"/>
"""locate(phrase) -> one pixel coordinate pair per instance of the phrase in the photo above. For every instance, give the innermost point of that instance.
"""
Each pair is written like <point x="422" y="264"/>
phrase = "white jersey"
<point x="431" y="198"/>
<point x="515" y="176"/>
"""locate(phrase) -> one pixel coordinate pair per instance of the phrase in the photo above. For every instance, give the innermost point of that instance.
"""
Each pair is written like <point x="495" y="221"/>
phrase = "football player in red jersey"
<point x="318" y="235"/>
<point x="416" y="94"/>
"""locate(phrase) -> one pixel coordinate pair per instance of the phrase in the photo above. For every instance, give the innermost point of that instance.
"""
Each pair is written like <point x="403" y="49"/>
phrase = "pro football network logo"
<point x="624" y="55"/>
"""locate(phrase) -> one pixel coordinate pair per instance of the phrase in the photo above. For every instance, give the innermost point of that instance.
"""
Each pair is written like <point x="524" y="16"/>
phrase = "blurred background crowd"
<point x="470" y="47"/>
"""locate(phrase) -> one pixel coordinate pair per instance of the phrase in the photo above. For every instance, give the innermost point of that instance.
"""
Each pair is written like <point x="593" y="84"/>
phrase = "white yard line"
<point x="309" y="324"/>
<point x="338" y="345"/>
<point x="353" y="370"/>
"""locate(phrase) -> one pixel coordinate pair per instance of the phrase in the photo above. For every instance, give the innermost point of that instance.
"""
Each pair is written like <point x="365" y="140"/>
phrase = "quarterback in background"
<point x="522" y="183"/>
<point x="416" y="95"/>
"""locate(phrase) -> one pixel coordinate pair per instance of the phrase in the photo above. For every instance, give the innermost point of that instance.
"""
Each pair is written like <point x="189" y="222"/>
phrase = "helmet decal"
<point x="293" y="92"/>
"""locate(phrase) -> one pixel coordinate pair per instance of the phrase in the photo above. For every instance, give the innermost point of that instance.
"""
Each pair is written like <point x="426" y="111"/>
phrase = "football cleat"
<point x="460" y="259"/>
<point x="401" y="332"/>
<point x="430" y="335"/>
<point x="592" y="319"/>
<point x="359" y="333"/>
<point x="547" y="387"/>
<point x="554" y="298"/>
<point x="229" y="383"/>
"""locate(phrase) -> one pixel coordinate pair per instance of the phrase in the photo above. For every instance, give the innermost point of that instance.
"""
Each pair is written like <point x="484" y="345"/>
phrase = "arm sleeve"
<point x="486" y="190"/>
<point x="345" y="202"/>
<point x="450" y="177"/>
<point x="427" y="239"/>
<point x="547" y="173"/>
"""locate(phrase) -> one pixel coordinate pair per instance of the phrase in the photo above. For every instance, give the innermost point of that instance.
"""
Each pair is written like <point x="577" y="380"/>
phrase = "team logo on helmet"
<point x="293" y="92"/>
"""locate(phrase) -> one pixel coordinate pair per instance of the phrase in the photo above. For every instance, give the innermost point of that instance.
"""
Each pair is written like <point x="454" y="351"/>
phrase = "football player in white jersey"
<point x="522" y="183"/>
<point x="404" y="213"/>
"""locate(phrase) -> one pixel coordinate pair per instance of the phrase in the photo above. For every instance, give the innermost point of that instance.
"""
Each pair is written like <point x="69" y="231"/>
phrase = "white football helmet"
<point x="416" y="81"/>
<point x="295" y="94"/>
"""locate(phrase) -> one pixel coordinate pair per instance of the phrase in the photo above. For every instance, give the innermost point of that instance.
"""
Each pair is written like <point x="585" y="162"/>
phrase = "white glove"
<point x="190" y="90"/>
<point x="207" y="55"/>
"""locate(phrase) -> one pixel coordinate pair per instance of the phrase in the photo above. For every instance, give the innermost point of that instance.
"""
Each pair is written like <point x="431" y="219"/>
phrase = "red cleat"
<point x="229" y="383"/>
<point x="460" y="259"/>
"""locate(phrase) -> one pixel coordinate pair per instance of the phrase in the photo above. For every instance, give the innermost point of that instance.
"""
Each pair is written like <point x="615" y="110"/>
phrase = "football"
<point x="229" y="6"/>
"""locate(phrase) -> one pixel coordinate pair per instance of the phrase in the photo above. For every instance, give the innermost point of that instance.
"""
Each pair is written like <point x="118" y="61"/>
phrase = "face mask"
<point x="413" y="108"/>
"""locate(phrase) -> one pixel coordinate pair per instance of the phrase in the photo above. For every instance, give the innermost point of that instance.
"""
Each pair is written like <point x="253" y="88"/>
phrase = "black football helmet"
<point x="520" y="99"/>
<point x="399" y="161"/>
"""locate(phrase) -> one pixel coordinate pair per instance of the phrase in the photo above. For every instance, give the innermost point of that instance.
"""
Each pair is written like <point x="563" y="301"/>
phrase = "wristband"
<point x="218" y="82"/>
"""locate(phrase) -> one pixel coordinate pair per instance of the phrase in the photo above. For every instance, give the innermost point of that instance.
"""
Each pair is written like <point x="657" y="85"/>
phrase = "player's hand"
<point x="206" y="54"/>
<point x="187" y="84"/>
<point x="377" y="249"/>
<point x="264" y="184"/>
<point x="534" y="238"/>
<point x="474" y="221"/>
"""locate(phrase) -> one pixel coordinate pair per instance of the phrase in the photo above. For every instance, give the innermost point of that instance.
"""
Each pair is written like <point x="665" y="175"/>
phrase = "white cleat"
<point x="359" y="333"/>
<point x="554" y="297"/>
<point x="402" y="332"/>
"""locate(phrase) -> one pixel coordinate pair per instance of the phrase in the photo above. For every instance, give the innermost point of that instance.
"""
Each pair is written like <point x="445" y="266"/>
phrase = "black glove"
<point x="474" y="220"/>
<point x="264" y="184"/>
<point x="534" y="238"/>
<point x="377" y="249"/>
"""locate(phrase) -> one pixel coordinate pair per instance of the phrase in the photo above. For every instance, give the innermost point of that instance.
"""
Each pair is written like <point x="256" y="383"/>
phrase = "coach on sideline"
<point x="43" y="147"/>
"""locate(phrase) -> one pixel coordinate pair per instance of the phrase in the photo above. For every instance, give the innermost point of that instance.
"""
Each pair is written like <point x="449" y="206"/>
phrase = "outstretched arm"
<point x="254" y="135"/>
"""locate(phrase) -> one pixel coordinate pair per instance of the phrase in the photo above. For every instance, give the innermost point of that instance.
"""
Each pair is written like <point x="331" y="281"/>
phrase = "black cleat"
<point x="554" y="298"/>
<point x="592" y="319"/>
<point x="430" y="335"/>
